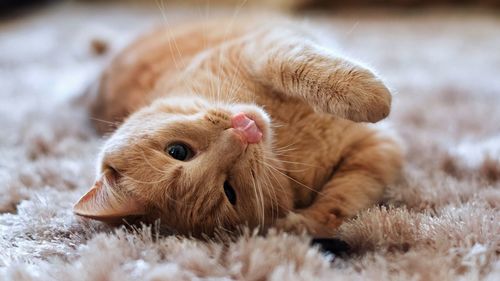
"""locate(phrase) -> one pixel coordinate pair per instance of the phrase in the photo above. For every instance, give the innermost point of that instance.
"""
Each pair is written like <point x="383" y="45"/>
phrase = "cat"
<point x="221" y="123"/>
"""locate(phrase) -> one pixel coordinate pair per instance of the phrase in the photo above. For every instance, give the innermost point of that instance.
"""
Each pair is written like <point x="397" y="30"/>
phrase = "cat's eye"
<point x="179" y="151"/>
<point x="230" y="193"/>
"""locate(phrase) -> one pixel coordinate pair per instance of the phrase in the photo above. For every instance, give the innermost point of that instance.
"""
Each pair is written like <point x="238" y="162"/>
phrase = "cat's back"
<point x="128" y="82"/>
<point x="170" y="47"/>
<point x="153" y="64"/>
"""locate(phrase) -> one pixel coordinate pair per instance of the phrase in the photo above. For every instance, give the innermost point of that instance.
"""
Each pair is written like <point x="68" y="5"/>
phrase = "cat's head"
<point x="194" y="165"/>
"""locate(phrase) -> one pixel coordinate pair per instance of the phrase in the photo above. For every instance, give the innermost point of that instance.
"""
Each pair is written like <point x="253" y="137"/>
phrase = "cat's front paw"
<point x="294" y="222"/>
<point x="356" y="94"/>
<point x="298" y="222"/>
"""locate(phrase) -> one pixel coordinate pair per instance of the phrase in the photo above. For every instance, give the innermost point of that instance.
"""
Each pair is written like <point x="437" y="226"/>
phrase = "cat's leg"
<point x="364" y="169"/>
<point x="292" y="63"/>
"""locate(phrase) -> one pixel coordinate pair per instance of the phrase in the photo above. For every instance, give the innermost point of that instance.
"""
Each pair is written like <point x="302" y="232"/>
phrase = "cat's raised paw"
<point x="356" y="94"/>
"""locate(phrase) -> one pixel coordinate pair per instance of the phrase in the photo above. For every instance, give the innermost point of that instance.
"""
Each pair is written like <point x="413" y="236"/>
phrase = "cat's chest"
<point x="307" y="145"/>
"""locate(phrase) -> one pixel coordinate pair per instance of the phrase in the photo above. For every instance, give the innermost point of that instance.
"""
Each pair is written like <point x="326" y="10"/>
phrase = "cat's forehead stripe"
<point x="128" y="135"/>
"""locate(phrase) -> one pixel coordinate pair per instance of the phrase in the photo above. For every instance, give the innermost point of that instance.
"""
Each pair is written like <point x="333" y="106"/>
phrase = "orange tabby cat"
<point x="228" y="123"/>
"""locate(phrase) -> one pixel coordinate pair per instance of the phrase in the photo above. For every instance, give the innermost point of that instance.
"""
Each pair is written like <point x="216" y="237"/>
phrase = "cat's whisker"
<point x="262" y="206"/>
<point x="232" y="100"/>
<point x="262" y="196"/>
<point x="220" y="226"/>
<point x="193" y="86"/>
<point x="105" y="121"/>
<point x="284" y="150"/>
<point x="255" y="191"/>
<point x="269" y="187"/>
<point x="176" y="54"/>
<point x="292" y="170"/>
<point x="259" y="199"/>
<point x="226" y="33"/>
<point x="277" y="148"/>
<point x="267" y="175"/>
<point x="203" y="25"/>
<point x="289" y="169"/>
<point x="285" y="155"/>
<point x="233" y="91"/>
<point x="287" y="176"/>
<point x="169" y="28"/>
<point x="234" y="79"/>
<point x="136" y="180"/>
<point x="268" y="156"/>
<point x="212" y="90"/>
<point x="276" y="124"/>
<point x="295" y="162"/>
<point x="274" y="202"/>
<point x="279" y="184"/>
<point x="298" y="163"/>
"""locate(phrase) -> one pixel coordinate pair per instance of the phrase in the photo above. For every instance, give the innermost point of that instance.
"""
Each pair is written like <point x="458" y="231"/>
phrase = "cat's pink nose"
<point x="247" y="127"/>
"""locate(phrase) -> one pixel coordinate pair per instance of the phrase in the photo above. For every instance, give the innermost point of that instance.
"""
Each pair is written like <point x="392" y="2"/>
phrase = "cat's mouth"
<point x="247" y="128"/>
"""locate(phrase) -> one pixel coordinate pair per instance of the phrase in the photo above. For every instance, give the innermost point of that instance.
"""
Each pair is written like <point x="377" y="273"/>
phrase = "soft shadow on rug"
<point x="441" y="222"/>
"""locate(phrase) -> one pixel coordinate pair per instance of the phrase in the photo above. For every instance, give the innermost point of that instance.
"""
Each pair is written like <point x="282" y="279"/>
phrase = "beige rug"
<point x="442" y="222"/>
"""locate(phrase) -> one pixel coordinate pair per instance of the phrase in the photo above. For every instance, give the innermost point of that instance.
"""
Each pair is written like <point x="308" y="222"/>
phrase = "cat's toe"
<point x="360" y="96"/>
<point x="293" y="222"/>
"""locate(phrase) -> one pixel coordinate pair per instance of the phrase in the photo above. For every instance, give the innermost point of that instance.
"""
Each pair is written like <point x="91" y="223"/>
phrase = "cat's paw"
<point x="294" y="222"/>
<point x="355" y="93"/>
<point x="300" y="222"/>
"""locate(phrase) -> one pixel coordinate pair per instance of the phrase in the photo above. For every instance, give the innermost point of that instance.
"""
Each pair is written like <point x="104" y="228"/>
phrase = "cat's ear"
<point x="102" y="202"/>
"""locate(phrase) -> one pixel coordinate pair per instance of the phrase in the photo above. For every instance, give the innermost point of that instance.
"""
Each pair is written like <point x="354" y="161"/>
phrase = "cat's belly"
<point x="307" y="144"/>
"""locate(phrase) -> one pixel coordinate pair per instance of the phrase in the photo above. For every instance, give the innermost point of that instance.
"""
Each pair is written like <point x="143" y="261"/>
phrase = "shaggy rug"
<point x="441" y="222"/>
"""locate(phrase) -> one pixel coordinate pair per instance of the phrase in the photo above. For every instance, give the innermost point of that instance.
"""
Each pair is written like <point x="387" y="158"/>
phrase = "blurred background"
<point x="286" y="4"/>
